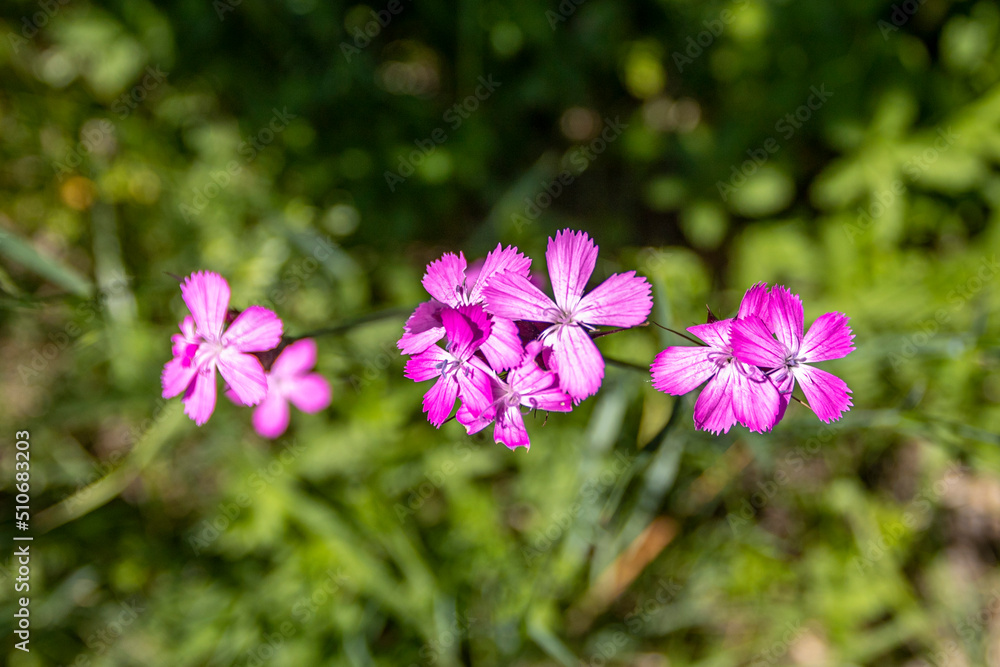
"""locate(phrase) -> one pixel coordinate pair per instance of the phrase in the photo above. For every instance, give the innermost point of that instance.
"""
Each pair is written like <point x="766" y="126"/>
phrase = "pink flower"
<point x="289" y="381"/>
<point x="452" y="284"/>
<point x="526" y="386"/>
<point x="203" y="346"/>
<point x="736" y="391"/>
<point x="773" y="340"/>
<point x="623" y="300"/>
<point x="459" y="373"/>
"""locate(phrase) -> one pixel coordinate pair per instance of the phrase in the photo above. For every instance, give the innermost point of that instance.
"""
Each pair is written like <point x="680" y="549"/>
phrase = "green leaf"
<point x="19" y="250"/>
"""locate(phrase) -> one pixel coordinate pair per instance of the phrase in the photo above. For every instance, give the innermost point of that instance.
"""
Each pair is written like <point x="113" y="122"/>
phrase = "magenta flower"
<point x="290" y="381"/>
<point x="774" y="341"/>
<point x="526" y="386"/>
<point x="735" y="391"/>
<point x="459" y="373"/>
<point x="623" y="300"/>
<point x="453" y="284"/>
<point x="203" y="346"/>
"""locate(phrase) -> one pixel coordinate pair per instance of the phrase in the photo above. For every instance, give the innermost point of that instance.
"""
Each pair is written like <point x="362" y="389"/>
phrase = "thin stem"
<point x="626" y="364"/>
<point x="350" y="324"/>
<point x="166" y="425"/>
<point x="682" y="335"/>
<point x="799" y="400"/>
<point x="605" y="333"/>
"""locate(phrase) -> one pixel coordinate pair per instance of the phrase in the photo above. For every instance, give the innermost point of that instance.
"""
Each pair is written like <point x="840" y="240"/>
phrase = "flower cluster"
<point x="509" y="348"/>
<point x="750" y="364"/>
<point x="508" y="345"/>
<point x="239" y="344"/>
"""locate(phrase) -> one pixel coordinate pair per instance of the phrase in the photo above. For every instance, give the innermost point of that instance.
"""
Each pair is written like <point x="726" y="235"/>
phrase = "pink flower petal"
<point x="309" y="393"/>
<point x="713" y="411"/>
<point x="552" y="399"/>
<point x="270" y="418"/>
<point x="244" y="374"/>
<point x="295" y="359"/>
<point x="466" y="327"/>
<point x="717" y="334"/>
<point x="513" y="296"/>
<point x="199" y="399"/>
<point x="207" y="297"/>
<point x="427" y="364"/>
<point x="257" y="329"/>
<point x="571" y="257"/>
<point x="538" y="388"/>
<point x="678" y="370"/>
<point x="186" y="340"/>
<point x="473" y="422"/>
<point x="786" y="318"/>
<point x="756" y="402"/>
<point x="423" y="329"/>
<point x="753" y="344"/>
<point x="623" y="300"/>
<point x="415" y="343"/>
<point x="443" y="278"/>
<point x="440" y="399"/>
<point x="510" y="428"/>
<point x="473" y="270"/>
<point x="503" y="348"/>
<point x="785" y="383"/>
<point x="755" y="302"/>
<point x="497" y="261"/>
<point x="577" y="361"/>
<point x="826" y="393"/>
<point x="476" y="391"/>
<point x="829" y="337"/>
<point x="177" y="376"/>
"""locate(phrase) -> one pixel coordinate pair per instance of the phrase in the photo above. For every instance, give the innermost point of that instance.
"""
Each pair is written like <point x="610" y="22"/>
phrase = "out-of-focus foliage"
<point x="845" y="149"/>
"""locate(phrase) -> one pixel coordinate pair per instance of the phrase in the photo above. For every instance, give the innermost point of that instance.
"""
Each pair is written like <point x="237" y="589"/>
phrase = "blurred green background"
<point x="845" y="149"/>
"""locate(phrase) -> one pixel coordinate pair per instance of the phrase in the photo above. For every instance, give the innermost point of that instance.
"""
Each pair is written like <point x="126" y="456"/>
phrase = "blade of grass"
<point x="21" y="251"/>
